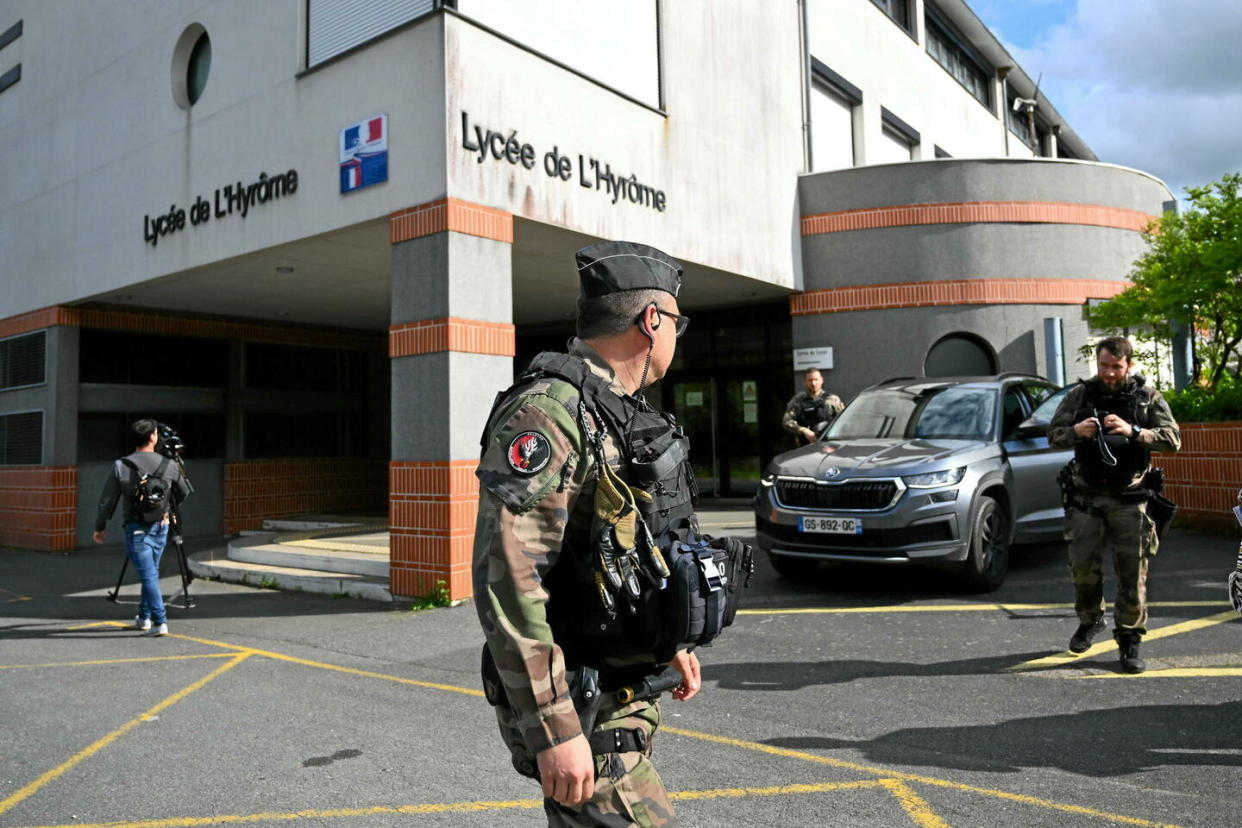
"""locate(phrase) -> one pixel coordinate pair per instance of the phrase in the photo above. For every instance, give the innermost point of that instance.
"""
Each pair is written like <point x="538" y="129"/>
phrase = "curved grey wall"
<point x="871" y="345"/>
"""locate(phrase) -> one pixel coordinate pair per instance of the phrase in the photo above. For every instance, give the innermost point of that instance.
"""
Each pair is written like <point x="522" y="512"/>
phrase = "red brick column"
<point x="431" y="512"/>
<point x="1203" y="478"/>
<point x="39" y="507"/>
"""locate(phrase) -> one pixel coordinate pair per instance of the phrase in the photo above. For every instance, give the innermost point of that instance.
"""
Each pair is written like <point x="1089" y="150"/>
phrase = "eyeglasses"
<point x="681" y="322"/>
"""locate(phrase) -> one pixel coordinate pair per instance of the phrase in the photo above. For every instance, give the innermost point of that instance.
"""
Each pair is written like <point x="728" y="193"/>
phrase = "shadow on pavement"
<point x="1114" y="742"/>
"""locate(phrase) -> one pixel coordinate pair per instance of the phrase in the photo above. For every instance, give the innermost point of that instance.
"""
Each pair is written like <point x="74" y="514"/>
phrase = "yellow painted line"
<point x="452" y="688"/>
<point x="916" y="806"/>
<point x="1174" y="672"/>
<point x="1063" y="658"/>
<point x="100" y="744"/>
<point x="100" y="624"/>
<point x="111" y="661"/>
<point x="17" y="600"/>
<point x="911" y="777"/>
<point x="955" y="608"/>
<point x="897" y="788"/>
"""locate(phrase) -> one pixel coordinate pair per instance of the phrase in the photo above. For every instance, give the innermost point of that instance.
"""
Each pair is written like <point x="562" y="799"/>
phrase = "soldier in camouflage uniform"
<point x="1113" y="422"/>
<point x="809" y="411"/>
<point x="539" y="478"/>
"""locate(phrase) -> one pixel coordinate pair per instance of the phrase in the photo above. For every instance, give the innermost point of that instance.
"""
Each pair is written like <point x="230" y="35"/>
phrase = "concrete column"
<point x="451" y="345"/>
<point x="60" y="416"/>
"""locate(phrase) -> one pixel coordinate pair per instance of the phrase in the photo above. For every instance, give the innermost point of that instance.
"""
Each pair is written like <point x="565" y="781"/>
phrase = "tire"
<point x="987" y="557"/>
<point x="793" y="568"/>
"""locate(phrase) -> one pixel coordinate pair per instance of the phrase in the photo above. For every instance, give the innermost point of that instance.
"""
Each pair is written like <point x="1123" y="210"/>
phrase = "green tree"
<point x="1191" y="272"/>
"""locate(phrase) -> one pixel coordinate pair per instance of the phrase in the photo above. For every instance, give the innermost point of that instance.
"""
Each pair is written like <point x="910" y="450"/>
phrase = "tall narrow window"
<point x="952" y="51"/>
<point x="833" y="103"/>
<point x="898" y="140"/>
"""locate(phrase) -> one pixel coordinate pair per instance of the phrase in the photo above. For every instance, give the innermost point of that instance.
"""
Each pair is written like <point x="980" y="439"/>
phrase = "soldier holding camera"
<point x="1114" y="422"/>
<point x="151" y="485"/>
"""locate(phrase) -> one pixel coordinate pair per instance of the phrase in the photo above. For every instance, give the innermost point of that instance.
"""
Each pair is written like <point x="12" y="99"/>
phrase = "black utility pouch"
<point x="698" y="595"/>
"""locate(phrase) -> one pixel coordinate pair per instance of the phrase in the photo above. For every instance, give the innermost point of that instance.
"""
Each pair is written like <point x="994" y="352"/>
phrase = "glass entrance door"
<point x="694" y="405"/>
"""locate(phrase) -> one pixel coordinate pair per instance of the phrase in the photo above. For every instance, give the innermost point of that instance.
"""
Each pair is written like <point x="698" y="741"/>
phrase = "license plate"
<point x="831" y="526"/>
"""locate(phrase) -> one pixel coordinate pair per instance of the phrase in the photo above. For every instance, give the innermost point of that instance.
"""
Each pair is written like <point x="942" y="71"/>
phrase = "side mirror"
<point x="1031" y="428"/>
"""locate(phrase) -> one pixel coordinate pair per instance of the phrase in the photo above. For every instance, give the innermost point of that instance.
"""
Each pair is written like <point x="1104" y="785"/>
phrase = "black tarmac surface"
<point x="860" y="697"/>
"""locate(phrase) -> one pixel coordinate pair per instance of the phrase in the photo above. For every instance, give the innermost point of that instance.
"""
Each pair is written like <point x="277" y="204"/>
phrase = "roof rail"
<point x="1008" y="374"/>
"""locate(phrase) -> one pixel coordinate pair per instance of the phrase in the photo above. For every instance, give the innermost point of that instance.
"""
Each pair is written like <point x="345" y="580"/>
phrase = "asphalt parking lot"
<point x="858" y="697"/>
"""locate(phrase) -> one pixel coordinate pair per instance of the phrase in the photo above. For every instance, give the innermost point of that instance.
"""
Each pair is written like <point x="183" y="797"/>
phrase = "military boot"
<point x="1083" y="636"/>
<point x="1128" y="645"/>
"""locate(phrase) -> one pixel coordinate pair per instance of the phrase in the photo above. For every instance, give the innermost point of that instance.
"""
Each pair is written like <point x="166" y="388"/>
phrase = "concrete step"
<point x="261" y="549"/>
<point x="211" y="564"/>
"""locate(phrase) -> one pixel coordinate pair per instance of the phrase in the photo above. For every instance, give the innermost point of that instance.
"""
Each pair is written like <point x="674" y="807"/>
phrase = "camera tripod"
<point x="174" y="532"/>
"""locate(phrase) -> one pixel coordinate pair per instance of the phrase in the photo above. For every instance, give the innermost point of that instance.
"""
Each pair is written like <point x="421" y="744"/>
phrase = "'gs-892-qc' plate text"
<point x="831" y="526"/>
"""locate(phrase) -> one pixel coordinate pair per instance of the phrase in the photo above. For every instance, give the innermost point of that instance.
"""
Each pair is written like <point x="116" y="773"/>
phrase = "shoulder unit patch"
<point x="529" y="452"/>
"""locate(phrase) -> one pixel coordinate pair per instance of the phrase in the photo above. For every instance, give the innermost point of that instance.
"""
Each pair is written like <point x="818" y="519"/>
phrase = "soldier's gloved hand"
<point x="654" y="567"/>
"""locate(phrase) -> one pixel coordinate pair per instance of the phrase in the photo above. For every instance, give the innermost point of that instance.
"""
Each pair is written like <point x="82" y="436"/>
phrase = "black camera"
<point x="170" y="443"/>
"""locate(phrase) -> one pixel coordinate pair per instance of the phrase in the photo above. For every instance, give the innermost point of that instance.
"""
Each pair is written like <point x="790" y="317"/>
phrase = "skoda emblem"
<point x="833" y="472"/>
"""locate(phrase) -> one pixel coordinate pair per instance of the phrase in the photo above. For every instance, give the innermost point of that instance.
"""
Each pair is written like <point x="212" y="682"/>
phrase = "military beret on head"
<point x="611" y="267"/>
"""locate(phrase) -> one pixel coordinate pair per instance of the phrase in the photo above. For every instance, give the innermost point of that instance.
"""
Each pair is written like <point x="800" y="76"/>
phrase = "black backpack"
<point x="149" y="497"/>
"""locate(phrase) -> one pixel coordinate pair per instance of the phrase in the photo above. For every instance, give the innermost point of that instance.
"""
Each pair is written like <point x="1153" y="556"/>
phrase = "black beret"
<point x="610" y="267"/>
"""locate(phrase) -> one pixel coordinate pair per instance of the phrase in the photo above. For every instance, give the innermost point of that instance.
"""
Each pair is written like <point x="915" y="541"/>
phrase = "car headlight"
<point x="768" y="479"/>
<point x="932" y="479"/>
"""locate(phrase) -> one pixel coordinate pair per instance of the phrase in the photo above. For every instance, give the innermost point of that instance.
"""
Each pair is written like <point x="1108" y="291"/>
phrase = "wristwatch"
<point x="1137" y="430"/>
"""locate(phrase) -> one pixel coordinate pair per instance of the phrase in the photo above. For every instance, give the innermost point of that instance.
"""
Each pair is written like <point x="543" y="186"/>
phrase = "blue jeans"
<point x="144" y="543"/>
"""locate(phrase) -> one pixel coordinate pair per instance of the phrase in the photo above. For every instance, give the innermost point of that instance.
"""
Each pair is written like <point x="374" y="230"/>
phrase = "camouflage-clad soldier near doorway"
<point x="809" y="411"/>
<point x="1113" y="421"/>
<point x="586" y="514"/>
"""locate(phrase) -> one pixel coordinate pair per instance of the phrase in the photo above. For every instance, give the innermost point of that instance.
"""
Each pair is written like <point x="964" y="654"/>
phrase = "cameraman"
<point x="144" y="538"/>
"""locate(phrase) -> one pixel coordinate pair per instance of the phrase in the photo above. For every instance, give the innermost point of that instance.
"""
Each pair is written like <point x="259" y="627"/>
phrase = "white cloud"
<point x="1150" y="84"/>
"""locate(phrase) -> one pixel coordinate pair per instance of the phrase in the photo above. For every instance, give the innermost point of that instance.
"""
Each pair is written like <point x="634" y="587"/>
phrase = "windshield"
<point x="1049" y="406"/>
<point x="958" y="413"/>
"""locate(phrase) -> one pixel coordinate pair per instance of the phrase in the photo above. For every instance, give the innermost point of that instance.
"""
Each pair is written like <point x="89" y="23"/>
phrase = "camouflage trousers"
<point x="1110" y="524"/>
<point x="628" y="791"/>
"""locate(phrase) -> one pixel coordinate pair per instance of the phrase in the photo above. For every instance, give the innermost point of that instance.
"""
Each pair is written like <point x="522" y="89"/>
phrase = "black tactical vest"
<point x="811" y="412"/>
<point x="1132" y="458"/>
<point x="656" y="459"/>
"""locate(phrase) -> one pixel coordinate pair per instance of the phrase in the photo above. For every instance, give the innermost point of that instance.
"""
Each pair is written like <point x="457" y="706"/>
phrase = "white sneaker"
<point x="161" y="629"/>
<point x="141" y="623"/>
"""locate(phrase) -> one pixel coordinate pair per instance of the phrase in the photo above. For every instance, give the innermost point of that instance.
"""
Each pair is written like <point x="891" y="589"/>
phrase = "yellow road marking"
<point x="100" y="624"/>
<point x="911" y="777"/>
<point x="1174" y="672"/>
<point x="917" y="808"/>
<point x="99" y="745"/>
<point x="955" y="608"/>
<point x="111" y="661"/>
<point x="16" y="600"/>
<point x="1062" y="658"/>
<point x="452" y="688"/>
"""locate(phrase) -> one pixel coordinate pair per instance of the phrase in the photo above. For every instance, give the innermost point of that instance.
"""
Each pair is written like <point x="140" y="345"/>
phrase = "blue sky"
<point x="1151" y="84"/>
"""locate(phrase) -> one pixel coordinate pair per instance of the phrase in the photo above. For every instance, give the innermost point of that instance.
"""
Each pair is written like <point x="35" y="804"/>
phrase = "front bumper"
<point x="913" y="528"/>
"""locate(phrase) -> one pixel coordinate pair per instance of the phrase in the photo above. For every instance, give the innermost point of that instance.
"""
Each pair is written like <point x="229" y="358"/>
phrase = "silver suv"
<point x="946" y="470"/>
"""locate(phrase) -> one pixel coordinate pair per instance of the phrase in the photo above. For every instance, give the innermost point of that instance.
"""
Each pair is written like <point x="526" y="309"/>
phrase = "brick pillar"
<point x="451" y="345"/>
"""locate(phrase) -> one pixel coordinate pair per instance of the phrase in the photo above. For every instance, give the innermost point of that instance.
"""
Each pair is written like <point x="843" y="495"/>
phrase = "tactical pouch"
<point x="702" y="599"/>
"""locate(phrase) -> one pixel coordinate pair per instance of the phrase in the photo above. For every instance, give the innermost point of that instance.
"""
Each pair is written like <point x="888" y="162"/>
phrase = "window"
<point x="23" y="360"/>
<point x="898" y="140"/>
<point x="103" y="437"/>
<point x="336" y="26"/>
<point x="149" y="359"/>
<point x="959" y="355"/>
<point x="832" y="119"/>
<point x="311" y="434"/>
<point x="14" y="74"/>
<point x="198" y="68"/>
<point x="899" y="11"/>
<point x="1020" y="126"/>
<point x="1013" y="412"/>
<point x="21" y="439"/>
<point x="289" y="367"/>
<point x="952" y="51"/>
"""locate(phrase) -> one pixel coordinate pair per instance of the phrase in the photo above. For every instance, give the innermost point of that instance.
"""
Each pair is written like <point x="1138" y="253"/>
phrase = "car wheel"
<point x="793" y="568"/>
<point x="987" y="557"/>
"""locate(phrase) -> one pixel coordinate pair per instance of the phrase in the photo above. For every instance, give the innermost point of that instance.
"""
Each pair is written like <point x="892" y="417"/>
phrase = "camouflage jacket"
<point x="536" y="484"/>
<point x="1160" y="431"/>
<point x="789" y="422"/>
